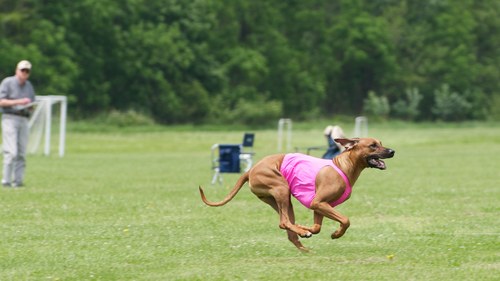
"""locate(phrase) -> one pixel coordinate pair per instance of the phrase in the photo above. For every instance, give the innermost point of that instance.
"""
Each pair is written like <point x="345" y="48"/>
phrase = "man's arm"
<point x="7" y="102"/>
<point x="4" y="93"/>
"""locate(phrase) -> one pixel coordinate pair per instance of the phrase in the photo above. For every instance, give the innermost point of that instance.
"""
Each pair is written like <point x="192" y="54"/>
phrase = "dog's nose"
<point x="391" y="152"/>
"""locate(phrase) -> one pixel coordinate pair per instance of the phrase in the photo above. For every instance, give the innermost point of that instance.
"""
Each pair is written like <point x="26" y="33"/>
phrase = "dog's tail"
<point x="241" y="181"/>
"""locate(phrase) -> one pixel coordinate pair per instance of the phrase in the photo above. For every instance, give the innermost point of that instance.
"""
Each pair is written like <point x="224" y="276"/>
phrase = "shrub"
<point x="248" y="112"/>
<point x="450" y="106"/>
<point x="376" y="107"/>
<point x="127" y="118"/>
<point x="408" y="108"/>
<point x="480" y="104"/>
<point x="257" y="112"/>
<point x="495" y="108"/>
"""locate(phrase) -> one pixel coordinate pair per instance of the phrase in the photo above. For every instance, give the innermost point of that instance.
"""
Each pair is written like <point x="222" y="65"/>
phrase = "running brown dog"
<point x="318" y="184"/>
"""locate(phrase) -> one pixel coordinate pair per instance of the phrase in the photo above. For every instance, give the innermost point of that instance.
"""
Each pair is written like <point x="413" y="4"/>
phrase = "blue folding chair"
<point x="227" y="158"/>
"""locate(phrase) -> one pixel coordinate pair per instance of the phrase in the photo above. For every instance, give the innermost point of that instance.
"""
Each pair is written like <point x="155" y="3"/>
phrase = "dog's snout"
<point x="390" y="152"/>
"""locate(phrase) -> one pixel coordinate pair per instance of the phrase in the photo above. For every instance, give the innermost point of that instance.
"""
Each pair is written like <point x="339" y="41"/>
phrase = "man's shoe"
<point x="6" y="184"/>
<point x="16" y="185"/>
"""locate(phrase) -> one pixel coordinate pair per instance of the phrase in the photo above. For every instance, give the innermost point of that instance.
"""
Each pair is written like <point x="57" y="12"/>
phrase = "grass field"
<point x="125" y="206"/>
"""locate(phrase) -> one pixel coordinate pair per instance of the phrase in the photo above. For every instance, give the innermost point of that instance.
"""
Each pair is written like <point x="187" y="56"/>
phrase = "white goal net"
<point x="41" y="122"/>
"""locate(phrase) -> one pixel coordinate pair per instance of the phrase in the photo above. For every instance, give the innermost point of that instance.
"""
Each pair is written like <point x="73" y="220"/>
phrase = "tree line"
<point x="251" y="61"/>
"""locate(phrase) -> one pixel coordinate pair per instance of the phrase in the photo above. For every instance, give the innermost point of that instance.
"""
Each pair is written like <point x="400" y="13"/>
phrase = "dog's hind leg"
<point x="274" y="190"/>
<point x="282" y="196"/>
<point x="292" y="236"/>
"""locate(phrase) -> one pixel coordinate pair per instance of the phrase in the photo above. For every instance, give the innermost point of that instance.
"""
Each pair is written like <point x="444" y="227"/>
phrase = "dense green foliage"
<point x="229" y="60"/>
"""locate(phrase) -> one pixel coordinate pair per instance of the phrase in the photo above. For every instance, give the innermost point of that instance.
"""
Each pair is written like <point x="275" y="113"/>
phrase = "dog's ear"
<point x="347" y="143"/>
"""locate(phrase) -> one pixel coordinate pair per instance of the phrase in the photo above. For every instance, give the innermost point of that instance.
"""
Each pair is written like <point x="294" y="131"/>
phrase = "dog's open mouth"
<point x="375" y="162"/>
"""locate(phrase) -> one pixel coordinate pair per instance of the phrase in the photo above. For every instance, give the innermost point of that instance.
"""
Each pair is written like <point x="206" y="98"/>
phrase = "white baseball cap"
<point x="24" y="64"/>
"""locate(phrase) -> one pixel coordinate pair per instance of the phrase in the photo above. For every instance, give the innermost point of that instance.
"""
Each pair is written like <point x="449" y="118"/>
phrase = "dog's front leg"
<point x="323" y="208"/>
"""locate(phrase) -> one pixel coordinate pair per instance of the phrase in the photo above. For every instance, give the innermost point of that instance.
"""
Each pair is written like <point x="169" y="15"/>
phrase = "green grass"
<point x="125" y="206"/>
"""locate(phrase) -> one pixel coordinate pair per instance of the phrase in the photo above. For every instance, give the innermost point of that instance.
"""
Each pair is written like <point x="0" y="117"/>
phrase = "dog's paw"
<point x="337" y="234"/>
<point x="306" y="235"/>
<point x="304" y="250"/>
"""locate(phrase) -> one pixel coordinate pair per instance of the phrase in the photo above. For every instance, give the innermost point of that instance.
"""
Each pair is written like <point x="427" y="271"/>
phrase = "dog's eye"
<point x="373" y="145"/>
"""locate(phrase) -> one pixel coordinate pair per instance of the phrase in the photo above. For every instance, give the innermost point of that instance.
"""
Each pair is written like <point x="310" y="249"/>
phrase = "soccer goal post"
<point x="282" y="123"/>
<point x="360" y="127"/>
<point x="40" y="123"/>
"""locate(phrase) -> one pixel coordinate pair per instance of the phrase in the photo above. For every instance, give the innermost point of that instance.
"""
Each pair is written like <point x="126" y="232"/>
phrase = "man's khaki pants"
<point x="15" y="133"/>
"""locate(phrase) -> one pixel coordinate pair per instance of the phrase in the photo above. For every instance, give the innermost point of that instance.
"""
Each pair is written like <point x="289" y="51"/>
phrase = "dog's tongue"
<point x="377" y="163"/>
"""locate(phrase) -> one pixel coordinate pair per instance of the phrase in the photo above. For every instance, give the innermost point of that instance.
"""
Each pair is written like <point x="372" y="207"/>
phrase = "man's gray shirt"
<point x="10" y="89"/>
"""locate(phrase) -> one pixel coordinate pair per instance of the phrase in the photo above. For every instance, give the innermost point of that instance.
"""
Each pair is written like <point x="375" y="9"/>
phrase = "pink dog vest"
<point x="300" y="172"/>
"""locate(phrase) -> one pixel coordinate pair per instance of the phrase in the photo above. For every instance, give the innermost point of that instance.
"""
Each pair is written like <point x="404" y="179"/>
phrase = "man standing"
<point x="16" y="95"/>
